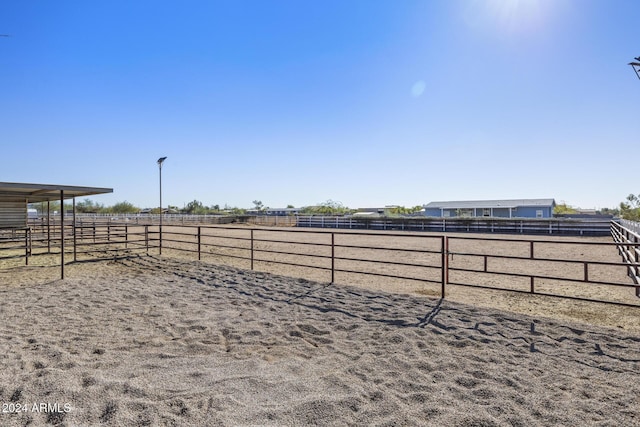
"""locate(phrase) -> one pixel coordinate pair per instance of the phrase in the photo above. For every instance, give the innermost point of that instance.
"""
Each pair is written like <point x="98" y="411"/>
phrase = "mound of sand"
<point x="158" y="341"/>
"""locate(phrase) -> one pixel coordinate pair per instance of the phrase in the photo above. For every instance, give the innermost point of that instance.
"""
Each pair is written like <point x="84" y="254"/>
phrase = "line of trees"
<point x="401" y="210"/>
<point x="631" y="208"/>
<point x="194" y="207"/>
<point x="563" y="208"/>
<point x="87" y="206"/>
<point x="330" y="207"/>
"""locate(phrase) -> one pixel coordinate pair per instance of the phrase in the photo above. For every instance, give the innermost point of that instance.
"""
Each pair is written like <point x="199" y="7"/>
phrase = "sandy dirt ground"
<point x="165" y="341"/>
<point x="169" y="340"/>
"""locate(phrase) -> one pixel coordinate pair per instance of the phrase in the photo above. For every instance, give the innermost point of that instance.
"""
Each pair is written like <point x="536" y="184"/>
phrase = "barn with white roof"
<point x="518" y="208"/>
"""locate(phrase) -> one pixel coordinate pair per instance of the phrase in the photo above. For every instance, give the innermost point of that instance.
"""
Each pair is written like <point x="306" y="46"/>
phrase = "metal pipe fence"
<point x="533" y="226"/>
<point x="632" y="226"/>
<point x="115" y="239"/>
<point x="534" y="266"/>
<point x="89" y="241"/>
<point x="558" y="269"/>
<point x="16" y="243"/>
<point x="147" y="219"/>
<point x="255" y="249"/>
<point x="551" y="226"/>
<point x="627" y="236"/>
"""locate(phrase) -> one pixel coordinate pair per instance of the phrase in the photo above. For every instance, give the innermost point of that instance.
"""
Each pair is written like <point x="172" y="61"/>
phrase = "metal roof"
<point x="33" y="193"/>
<point x="480" y="204"/>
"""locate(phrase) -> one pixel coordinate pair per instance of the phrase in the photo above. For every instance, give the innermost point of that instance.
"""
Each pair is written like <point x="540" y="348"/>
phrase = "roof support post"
<point x="61" y="234"/>
<point x="48" y="227"/>
<point x="26" y="233"/>
<point x="75" y="256"/>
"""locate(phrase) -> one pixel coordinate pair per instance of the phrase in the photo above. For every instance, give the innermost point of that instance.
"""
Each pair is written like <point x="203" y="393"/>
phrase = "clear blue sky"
<point x="365" y="102"/>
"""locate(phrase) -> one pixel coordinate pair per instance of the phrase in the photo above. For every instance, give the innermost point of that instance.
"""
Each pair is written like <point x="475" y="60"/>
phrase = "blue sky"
<point x="368" y="102"/>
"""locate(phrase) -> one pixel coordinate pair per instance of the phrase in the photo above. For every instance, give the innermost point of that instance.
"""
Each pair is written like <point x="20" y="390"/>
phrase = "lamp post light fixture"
<point x="636" y="66"/>
<point x="160" y="161"/>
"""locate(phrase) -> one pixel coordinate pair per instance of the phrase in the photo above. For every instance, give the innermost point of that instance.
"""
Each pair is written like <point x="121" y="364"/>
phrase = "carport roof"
<point x="33" y="193"/>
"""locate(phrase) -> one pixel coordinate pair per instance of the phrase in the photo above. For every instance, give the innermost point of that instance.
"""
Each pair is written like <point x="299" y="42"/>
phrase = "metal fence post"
<point x="586" y="271"/>
<point x="444" y="252"/>
<point x="73" y="224"/>
<point x="146" y="237"/>
<point x="628" y="249"/>
<point x="333" y="259"/>
<point x="252" y="248"/>
<point x="62" y="234"/>
<point x="199" y="241"/>
<point x="531" y="279"/>
<point x="26" y="246"/>
<point x="636" y="249"/>
<point x="531" y="250"/>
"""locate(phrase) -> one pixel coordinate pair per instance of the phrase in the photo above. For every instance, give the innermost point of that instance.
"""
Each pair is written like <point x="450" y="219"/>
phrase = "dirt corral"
<point x="233" y="247"/>
<point x="308" y="254"/>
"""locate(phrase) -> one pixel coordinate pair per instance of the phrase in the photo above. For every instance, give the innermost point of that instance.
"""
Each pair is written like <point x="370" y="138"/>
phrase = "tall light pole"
<point x="636" y="66"/>
<point x="160" y="161"/>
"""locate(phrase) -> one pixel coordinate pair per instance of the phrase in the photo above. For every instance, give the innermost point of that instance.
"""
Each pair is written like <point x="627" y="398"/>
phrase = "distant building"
<point x="521" y="208"/>
<point x="587" y="211"/>
<point x="274" y="211"/>
<point x="375" y="212"/>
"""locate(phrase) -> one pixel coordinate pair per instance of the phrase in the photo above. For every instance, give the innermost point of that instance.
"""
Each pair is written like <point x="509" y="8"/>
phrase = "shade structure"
<point x="33" y="193"/>
<point x="14" y="198"/>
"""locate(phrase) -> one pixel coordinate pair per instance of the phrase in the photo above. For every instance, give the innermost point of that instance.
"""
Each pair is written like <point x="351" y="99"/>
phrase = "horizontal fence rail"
<point x="534" y="266"/>
<point x="632" y="226"/>
<point x="272" y="247"/>
<point x="16" y="243"/>
<point x="627" y="236"/>
<point x="540" y="274"/>
<point x="575" y="227"/>
<point x="81" y="242"/>
<point x="551" y="226"/>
